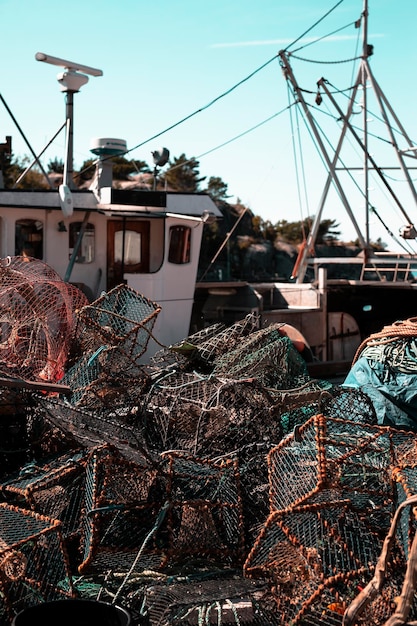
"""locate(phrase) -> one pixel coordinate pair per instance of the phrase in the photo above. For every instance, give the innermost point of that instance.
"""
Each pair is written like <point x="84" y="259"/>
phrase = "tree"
<point x="123" y="168"/>
<point x="217" y="188"/>
<point x="33" y="179"/>
<point x="295" y="232"/>
<point x="86" y="172"/>
<point x="56" y="165"/>
<point x="183" y="175"/>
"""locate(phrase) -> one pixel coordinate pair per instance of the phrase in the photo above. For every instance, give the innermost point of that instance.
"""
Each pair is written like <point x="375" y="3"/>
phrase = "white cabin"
<point x="149" y="240"/>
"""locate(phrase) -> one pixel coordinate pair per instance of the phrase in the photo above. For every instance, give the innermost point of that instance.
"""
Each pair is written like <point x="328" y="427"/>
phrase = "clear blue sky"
<point x="162" y="61"/>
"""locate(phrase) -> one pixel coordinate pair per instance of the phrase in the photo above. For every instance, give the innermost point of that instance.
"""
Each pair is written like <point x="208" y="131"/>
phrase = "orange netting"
<point x="37" y="318"/>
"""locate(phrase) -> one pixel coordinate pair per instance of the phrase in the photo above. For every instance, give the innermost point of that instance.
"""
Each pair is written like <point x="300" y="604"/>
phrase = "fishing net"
<point x="91" y="429"/>
<point x="267" y="356"/>
<point x="33" y="563"/>
<point x="112" y="335"/>
<point x="223" y="601"/>
<point x="37" y="319"/>
<point x="16" y="407"/>
<point x="199" y="350"/>
<point x="389" y="597"/>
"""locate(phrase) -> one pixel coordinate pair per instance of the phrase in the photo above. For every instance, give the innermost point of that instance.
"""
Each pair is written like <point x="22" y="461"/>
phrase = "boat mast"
<point x="363" y="79"/>
<point x="364" y="76"/>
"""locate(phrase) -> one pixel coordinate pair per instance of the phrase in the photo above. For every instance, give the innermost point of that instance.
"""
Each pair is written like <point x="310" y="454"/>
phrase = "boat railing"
<point x="383" y="267"/>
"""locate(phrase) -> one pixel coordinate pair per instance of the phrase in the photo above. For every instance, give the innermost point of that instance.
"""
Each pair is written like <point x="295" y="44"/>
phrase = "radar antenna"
<point x="71" y="80"/>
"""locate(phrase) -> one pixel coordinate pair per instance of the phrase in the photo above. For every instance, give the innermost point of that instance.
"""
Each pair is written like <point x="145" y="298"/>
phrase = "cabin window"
<point x="29" y="238"/>
<point x="132" y="247"/>
<point x="86" y="250"/>
<point x="179" y="244"/>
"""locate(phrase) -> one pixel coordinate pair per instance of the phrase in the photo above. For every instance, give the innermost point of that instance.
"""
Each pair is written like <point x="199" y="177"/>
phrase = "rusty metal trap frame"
<point x="33" y="562"/>
<point x="37" y="318"/>
<point x="204" y="518"/>
<point x="328" y="458"/>
<point x="122" y="502"/>
<point x="309" y="549"/>
<point x="207" y="415"/>
<point x="405" y="482"/>
<point x="267" y="356"/>
<point x="389" y="598"/>
<point x="53" y="488"/>
<point x="121" y="317"/>
<point x="88" y="428"/>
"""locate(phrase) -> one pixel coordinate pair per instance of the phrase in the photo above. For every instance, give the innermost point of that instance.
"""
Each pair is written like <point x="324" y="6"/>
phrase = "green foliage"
<point x="124" y="168"/>
<point x="217" y="189"/>
<point x="296" y="232"/>
<point x="33" y="179"/>
<point x="86" y="172"/>
<point x="183" y="175"/>
<point x="56" y="165"/>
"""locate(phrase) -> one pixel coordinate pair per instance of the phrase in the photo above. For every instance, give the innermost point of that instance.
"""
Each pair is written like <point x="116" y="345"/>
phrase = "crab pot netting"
<point x="121" y="317"/>
<point x="91" y="428"/>
<point x="122" y="503"/>
<point x="207" y="415"/>
<point x="205" y="517"/>
<point x="16" y="410"/>
<point x="405" y="484"/>
<point x="37" y="319"/>
<point x="311" y="549"/>
<point x="33" y="561"/>
<point x="54" y="488"/>
<point x="104" y="381"/>
<point x="328" y="458"/>
<point x="268" y="357"/>
<point x="200" y="349"/>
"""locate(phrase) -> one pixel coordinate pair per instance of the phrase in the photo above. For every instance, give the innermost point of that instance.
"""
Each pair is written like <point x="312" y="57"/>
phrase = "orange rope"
<point x="402" y="328"/>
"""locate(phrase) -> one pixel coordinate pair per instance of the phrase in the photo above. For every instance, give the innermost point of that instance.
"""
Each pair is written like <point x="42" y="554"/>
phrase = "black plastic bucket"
<point x="73" y="612"/>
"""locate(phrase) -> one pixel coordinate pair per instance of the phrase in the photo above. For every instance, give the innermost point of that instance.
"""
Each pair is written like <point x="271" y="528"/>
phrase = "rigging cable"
<point x="314" y="25"/>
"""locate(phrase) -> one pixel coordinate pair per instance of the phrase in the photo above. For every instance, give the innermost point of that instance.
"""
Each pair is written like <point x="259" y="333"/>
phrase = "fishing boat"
<point x="337" y="301"/>
<point x="100" y="237"/>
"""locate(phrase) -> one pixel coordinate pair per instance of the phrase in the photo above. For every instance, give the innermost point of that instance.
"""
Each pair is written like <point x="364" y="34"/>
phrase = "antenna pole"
<point x="71" y="81"/>
<point x="69" y="161"/>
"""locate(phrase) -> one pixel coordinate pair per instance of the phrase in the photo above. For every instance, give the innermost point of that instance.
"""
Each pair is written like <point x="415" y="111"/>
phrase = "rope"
<point x="401" y="328"/>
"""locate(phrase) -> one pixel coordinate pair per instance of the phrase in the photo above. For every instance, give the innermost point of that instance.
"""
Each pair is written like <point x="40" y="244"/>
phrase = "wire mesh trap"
<point x="221" y="601"/>
<point x="54" y="488"/>
<point x="267" y="356"/>
<point x="309" y="549"/>
<point x="122" y="503"/>
<point x="207" y="415"/>
<point x="205" y="517"/>
<point x="121" y="317"/>
<point x="327" y="459"/>
<point x="37" y="318"/>
<point x="33" y="563"/>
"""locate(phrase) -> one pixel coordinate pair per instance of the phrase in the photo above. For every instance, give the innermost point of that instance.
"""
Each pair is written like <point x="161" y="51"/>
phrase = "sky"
<point x="202" y="78"/>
